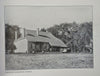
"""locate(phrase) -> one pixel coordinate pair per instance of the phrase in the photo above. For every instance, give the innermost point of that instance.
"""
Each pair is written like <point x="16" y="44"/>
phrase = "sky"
<point x="33" y="17"/>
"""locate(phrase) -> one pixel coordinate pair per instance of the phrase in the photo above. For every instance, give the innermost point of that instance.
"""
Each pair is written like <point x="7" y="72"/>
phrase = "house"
<point x="37" y="41"/>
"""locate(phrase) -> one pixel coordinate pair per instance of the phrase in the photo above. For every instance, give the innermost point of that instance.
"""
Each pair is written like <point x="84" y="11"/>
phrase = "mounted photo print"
<point x="48" y="37"/>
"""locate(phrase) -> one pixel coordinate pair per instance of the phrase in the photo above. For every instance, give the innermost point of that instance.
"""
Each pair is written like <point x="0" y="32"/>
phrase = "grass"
<point x="48" y="61"/>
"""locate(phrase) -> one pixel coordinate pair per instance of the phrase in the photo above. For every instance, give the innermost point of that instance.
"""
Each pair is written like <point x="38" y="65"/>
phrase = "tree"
<point x="53" y="30"/>
<point x="76" y="36"/>
<point x="85" y="32"/>
<point x="43" y="29"/>
<point x="10" y="37"/>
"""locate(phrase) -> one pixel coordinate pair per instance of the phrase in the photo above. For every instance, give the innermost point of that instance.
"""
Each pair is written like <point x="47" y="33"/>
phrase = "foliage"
<point x="10" y="37"/>
<point x="43" y="29"/>
<point x="75" y="36"/>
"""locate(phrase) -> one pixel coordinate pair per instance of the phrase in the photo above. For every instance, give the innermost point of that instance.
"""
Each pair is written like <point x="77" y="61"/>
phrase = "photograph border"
<point x="31" y="70"/>
<point x="71" y="72"/>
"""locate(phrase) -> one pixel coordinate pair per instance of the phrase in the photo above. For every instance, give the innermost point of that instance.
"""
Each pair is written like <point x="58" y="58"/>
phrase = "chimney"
<point x="24" y="32"/>
<point x="15" y="35"/>
<point x="37" y="32"/>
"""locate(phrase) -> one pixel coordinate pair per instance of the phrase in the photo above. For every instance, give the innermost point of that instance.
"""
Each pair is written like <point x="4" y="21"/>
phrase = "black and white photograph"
<point x="48" y="37"/>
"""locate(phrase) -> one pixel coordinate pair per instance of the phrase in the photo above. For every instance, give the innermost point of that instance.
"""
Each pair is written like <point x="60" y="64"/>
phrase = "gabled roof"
<point x="44" y="37"/>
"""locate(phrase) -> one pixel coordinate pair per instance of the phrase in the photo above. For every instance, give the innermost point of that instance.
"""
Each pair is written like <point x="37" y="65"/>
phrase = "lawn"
<point x="48" y="61"/>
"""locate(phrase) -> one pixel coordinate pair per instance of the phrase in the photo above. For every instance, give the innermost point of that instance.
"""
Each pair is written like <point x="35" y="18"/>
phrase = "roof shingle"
<point x="44" y="37"/>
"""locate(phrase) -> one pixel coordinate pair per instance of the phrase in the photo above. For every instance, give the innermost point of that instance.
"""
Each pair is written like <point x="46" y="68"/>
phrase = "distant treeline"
<point x="78" y="37"/>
